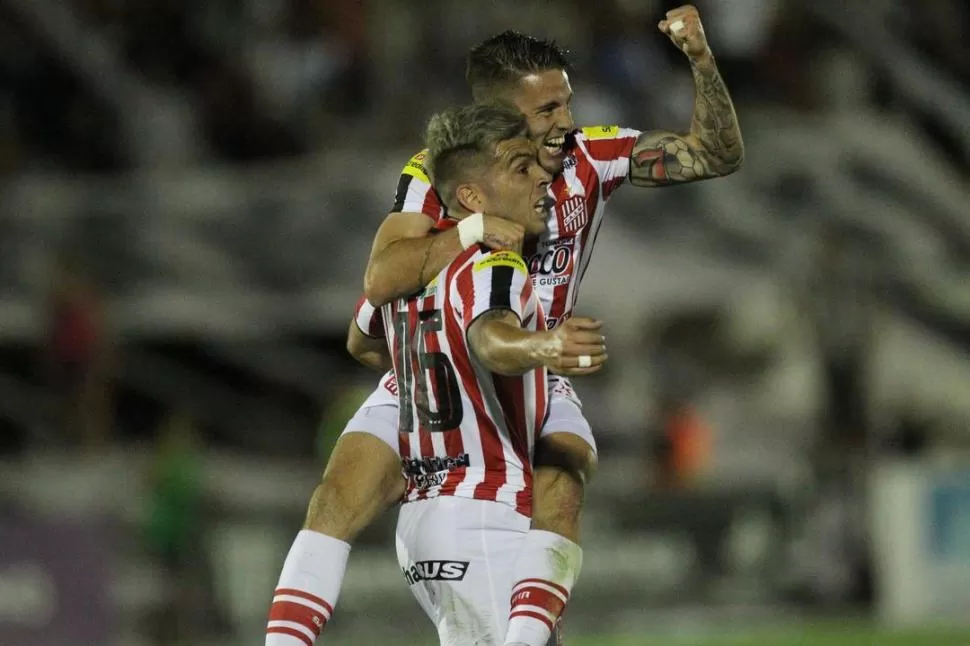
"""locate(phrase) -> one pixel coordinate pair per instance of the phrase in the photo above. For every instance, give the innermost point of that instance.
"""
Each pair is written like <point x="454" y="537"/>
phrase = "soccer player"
<point x="470" y="354"/>
<point x="362" y="476"/>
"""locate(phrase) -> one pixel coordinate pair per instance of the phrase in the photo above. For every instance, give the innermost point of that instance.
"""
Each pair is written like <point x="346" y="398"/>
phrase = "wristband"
<point x="471" y="230"/>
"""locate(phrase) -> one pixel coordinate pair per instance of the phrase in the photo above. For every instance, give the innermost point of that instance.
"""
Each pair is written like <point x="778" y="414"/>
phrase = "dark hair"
<point x="461" y="140"/>
<point x="503" y="59"/>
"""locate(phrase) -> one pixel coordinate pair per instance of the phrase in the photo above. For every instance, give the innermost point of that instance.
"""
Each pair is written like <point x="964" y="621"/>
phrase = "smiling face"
<point x="545" y="98"/>
<point x="531" y="74"/>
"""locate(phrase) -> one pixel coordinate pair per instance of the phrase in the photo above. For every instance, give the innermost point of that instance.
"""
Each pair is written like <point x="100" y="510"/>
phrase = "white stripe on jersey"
<point x="368" y="318"/>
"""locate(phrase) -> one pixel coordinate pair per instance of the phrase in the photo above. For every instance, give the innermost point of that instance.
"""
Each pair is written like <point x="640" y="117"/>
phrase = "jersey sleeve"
<point x="609" y="148"/>
<point x="497" y="280"/>
<point x="414" y="191"/>
<point x="369" y="319"/>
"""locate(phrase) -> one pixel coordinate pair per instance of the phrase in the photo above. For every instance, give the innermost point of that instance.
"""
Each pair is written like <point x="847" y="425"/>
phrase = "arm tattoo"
<point x="713" y="148"/>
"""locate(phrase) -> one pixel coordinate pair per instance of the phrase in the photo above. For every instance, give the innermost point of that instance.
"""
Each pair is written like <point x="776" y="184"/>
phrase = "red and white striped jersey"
<point x="414" y="191"/>
<point x="465" y="431"/>
<point x="597" y="164"/>
<point x="368" y="319"/>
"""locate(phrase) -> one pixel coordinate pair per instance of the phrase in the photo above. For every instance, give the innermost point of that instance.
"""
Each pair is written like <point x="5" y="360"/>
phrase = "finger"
<point x="662" y="26"/>
<point x="584" y="340"/>
<point x="566" y="362"/>
<point x="583" y="323"/>
<point x="579" y="372"/>
<point x="594" y="358"/>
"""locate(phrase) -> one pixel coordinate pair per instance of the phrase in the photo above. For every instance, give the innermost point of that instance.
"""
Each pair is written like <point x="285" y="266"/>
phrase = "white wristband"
<point x="471" y="230"/>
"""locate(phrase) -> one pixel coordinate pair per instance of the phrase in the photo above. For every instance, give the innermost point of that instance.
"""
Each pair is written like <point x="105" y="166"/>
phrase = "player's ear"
<point x="470" y="198"/>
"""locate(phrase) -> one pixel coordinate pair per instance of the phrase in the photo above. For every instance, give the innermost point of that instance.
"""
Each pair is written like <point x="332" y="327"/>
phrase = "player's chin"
<point x="536" y="226"/>
<point x="550" y="161"/>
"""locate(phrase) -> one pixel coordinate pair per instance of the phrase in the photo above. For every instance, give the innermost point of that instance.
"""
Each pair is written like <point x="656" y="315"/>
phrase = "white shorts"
<point x="458" y="556"/>
<point x="378" y="415"/>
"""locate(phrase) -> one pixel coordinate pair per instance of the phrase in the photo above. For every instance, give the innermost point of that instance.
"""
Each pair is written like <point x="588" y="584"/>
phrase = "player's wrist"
<point x="471" y="230"/>
<point x="704" y="61"/>
<point x="545" y="347"/>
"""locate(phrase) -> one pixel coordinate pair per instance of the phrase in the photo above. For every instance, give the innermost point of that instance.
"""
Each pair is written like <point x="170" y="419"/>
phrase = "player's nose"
<point x="564" y="120"/>
<point x="543" y="178"/>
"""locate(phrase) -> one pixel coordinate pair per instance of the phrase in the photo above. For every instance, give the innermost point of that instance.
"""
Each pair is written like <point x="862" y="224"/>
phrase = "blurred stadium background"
<point x="189" y="190"/>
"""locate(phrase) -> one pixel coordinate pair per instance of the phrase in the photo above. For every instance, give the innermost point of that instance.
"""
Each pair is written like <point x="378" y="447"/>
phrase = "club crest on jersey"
<point x="573" y="215"/>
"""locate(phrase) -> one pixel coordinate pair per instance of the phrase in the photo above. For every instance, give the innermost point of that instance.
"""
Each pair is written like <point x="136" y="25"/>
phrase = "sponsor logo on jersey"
<point x="390" y="384"/>
<point x="601" y="132"/>
<point x="552" y="267"/>
<point x="569" y="162"/>
<point x="573" y="215"/>
<point x="502" y="259"/>
<point x="435" y="571"/>
<point x="415" y="167"/>
<point x="414" y="467"/>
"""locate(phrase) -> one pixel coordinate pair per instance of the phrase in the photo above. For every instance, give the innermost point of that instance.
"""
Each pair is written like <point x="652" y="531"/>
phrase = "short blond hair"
<point x="461" y="141"/>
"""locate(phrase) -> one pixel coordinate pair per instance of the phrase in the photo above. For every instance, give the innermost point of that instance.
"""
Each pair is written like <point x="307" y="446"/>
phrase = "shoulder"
<point x="601" y="133"/>
<point x="475" y="263"/>
<point x="605" y="143"/>
<point x="486" y="260"/>
<point x="417" y="166"/>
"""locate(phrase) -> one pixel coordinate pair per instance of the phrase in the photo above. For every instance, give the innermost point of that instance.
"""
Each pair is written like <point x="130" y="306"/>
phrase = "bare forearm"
<point x="406" y="265"/>
<point x="715" y="123"/>
<point x="712" y="148"/>
<point x="507" y="349"/>
<point x="369" y="351"/>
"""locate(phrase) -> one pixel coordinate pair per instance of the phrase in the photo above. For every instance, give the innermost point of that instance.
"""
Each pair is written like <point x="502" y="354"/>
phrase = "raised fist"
<point x="683" y="26"/>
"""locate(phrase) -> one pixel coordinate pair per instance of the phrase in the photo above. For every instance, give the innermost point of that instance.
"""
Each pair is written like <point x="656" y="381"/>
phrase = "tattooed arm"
<point x="713" y="147"/>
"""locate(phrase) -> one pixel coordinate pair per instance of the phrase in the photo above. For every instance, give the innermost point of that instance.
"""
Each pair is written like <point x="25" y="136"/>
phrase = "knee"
<point x="569" y="454"/>
<point x="564" y="463"/>
<point x="361" y="480"/>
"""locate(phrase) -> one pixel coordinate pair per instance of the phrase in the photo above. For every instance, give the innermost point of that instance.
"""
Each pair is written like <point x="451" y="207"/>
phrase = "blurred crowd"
<point x="177" y="82"/>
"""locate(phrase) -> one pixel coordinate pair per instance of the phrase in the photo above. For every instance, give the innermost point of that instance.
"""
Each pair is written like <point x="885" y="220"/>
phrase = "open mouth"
<point x="554" y="145"/>
<point x="544" y="205"/>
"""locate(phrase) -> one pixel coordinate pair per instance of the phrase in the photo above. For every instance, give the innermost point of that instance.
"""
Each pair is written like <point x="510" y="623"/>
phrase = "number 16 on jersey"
<point x="423" y="372"/>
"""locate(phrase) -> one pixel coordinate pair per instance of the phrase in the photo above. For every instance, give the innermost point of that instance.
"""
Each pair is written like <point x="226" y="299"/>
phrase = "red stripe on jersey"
<point x="593" y="199"/>
<point x="290" y="632"/>
<point x="454" y="445"/>
<point x="611" y="185"/>
<point x="492" y="453"/>
<point x="432" y="206"/>
<point x="368" y="318"/>
<point x="610" y="149"/>
<point x="585" y="173"/>
<point x="510" y="391"/>
<point x="445" y="223"/>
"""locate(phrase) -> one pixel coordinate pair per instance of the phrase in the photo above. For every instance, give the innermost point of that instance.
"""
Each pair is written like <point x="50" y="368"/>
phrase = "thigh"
<point x="458" y="557"/>
<point x="379" y="414"/>
<point x="566" y="413"/>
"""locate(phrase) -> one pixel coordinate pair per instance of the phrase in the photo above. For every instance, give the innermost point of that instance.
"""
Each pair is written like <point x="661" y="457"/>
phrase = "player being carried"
<point x="588" y="165"/>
